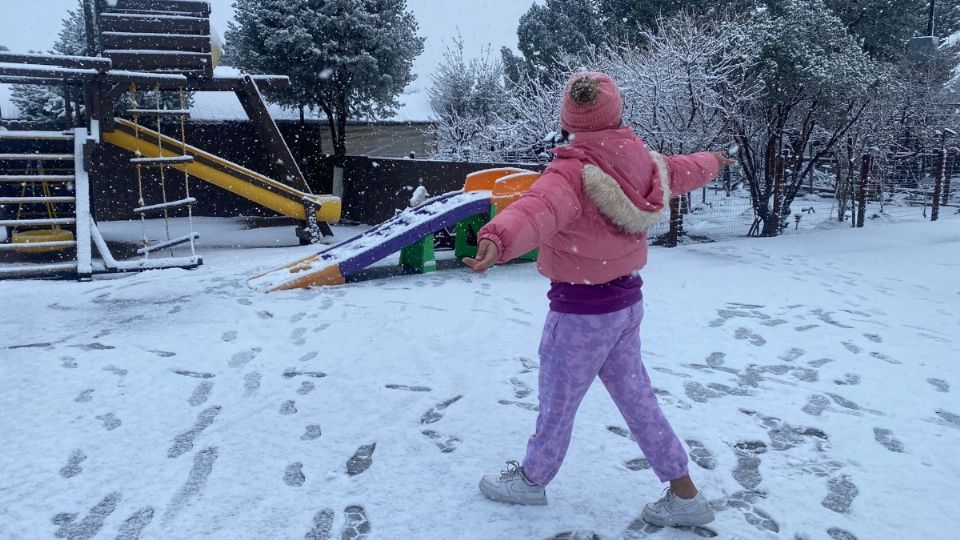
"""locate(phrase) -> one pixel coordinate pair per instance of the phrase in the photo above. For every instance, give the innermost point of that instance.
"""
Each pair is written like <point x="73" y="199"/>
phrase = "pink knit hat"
<point x="591" y="102"/>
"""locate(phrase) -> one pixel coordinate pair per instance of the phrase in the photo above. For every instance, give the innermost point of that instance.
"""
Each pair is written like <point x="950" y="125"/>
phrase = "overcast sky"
<point x="33" y="25"/>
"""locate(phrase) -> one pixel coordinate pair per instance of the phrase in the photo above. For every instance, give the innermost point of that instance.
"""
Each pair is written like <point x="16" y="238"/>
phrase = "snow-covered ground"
<point x="814" y="377"/>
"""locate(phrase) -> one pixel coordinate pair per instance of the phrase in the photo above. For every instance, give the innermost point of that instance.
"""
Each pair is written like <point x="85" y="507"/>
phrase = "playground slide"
<point x="334" y="265"/>
<point x="224" y="174"/>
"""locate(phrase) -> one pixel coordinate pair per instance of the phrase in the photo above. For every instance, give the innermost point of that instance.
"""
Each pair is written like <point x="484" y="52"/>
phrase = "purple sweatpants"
<point x="575" y="349"/>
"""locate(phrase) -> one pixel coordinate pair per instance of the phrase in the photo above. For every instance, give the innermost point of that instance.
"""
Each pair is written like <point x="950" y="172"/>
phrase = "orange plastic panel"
<point x="328" y="276"/>
<point x="509" y="189"/>
<point x="485" y="179"/>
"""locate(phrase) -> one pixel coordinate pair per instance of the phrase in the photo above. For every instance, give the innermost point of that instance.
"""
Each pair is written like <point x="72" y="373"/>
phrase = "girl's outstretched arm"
<point x="694" y="171"/>
<point x="550" y="205"/>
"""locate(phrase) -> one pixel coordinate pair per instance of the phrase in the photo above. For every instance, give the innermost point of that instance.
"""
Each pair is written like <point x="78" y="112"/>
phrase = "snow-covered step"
<point x="36" y="222"/>
<point x="153" y="23"/>
<point x="36" y="269"/>
<point x="155" y="41"/>
<point x="37" y="200"/>
<point x="35" y="136"/>
<point x="161" y="161"/>
<point x="38" y="157"/>
<point x="150" y="60"/>
<point x="193" y="6"/>
<point x="20" y="178"/>
<point x="169" y="244"/>
<point x="165" y="206"/>
<point x="159" y="112"/>
<point x="127" y="11"/>
<point x="38" y="245"/>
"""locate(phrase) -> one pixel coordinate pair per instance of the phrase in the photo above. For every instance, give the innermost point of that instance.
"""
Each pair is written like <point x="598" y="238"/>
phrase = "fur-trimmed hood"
<point x="629" y="184"/>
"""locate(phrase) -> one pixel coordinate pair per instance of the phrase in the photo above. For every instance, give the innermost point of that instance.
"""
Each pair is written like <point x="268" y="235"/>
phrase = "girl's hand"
<point x="723" y="160"/>
<point x="487" y="256"/>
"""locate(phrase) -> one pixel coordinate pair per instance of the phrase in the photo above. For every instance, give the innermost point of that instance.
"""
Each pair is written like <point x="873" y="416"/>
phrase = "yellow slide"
<point x="238" y="180"/>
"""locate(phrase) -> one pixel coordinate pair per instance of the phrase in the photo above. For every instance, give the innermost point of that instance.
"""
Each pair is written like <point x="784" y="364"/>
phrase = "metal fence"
<point x="876" y="189"/>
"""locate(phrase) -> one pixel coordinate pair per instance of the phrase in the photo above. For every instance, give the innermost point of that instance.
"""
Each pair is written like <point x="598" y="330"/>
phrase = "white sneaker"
<point x="673" y="511"/>
<point x="512" y="486"/>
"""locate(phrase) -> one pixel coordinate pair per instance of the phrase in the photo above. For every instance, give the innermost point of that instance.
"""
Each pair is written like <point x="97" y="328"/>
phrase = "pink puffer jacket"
<point x="590" y="211"/>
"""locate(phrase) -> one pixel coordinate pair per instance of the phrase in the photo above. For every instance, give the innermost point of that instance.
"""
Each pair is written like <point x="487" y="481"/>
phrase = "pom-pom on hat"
<point x="591" y="102"/>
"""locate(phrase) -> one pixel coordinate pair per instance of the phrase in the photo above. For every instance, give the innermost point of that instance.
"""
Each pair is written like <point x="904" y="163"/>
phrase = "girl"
<point x="589" y="213"/>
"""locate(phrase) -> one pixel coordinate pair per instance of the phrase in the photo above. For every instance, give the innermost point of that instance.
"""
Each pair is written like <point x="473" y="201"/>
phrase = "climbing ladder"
<point x="38" y="203"/>
<point x="68" y="193"/>
<point x="162" y="163"/>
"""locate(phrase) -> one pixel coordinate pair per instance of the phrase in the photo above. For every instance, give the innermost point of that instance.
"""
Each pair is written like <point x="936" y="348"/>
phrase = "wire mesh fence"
<point x="890" y="189"/>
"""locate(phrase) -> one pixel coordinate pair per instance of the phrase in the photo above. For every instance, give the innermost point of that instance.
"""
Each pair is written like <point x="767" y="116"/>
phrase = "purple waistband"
<point x="618" y="294"/>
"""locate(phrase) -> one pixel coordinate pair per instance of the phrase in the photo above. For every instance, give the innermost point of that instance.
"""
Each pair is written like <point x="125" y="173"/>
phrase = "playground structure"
<point x="411" y="233"/>
<point x="156" y="45"/>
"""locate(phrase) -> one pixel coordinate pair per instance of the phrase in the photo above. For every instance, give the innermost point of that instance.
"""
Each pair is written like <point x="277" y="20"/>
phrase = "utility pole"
<point x="933" y="11"/>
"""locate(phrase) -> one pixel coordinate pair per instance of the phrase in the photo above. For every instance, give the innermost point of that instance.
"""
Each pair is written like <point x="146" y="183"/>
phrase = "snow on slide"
<point x="333" y="265"/>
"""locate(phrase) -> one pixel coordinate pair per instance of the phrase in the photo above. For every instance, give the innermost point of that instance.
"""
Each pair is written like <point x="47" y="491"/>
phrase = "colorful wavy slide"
<point x="484" y="193"/>
<point x="224" y="174"/>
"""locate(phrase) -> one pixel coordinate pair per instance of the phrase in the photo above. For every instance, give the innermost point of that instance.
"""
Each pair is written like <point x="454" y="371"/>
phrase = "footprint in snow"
<point x="362" y="459"/>
<point x="293" y="476"/>
<point x="356" y="524"/>
<point x="110" y="422"/>
<point x="747" y="334"/>
<point x="745" y="502"/>
<point x="408" y="388"/>
<point x="700" y="455"/>
<point x="243" y="358"/>
<point x="133" y="526"/>
<point x="849" y="379"/>
<point x="837" y="533"/>
<point x="90" y="525"/>
<point x="520" y="388"/>
<point x="887" y="440"/>
<point x="200" y="394"/>
<point x="73" y="468"/>
<point x="251" y="383"/>
<point x="322" y="525"/>
<point x="312" y="432"/>
<point x="527" y="406"/>
<point x="639" y="529"/>
<point x="194" y="374"/>
<point x="445" y="443"/>
<point x="840" y="495"/>
<point x="435" y="414"/>
<point x="747" y="471"/>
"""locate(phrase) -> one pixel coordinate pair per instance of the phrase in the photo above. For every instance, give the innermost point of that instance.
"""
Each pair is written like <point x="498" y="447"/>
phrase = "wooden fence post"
<point x="676" y="219"/>
<point x="777" y="197"/>
<point x="938" y="184"/>
<point x="948" y="176"/>
<point x="865" y="165"/>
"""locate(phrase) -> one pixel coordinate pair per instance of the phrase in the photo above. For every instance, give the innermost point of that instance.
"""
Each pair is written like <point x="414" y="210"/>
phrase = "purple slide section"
<point x="416" y="229"/>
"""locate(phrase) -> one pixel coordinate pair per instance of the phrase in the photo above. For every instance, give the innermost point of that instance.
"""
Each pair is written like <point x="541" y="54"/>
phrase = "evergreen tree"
<point x="551" y="34"/>
<point x="46" y="103"/>
<point x="467" y="98"/>
<point x="349" y="58"/>
<point x="627" y="20"/>
<point x="885" y="26"/>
